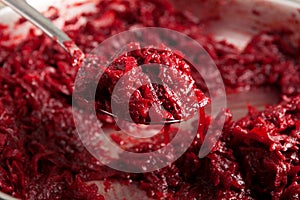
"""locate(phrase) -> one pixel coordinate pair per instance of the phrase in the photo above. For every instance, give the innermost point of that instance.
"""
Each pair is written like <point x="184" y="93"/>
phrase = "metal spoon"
<point x="36" y="18"/>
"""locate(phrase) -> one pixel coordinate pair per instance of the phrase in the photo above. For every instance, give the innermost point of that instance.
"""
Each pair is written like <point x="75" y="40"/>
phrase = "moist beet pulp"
<point x="257" y="157"/>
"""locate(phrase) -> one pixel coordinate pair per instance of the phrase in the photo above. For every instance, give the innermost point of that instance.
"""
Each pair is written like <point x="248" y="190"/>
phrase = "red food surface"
<point x="151" y="95"/>
<point x="41" y="157"/>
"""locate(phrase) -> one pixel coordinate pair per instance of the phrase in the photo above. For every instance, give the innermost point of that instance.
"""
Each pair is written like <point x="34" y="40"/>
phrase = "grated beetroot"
<point x="257" y="157"/>
<point x="150" y="96"/>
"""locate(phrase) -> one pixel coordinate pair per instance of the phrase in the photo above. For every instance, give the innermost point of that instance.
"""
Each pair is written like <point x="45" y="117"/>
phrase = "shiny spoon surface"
<point x="44" y="24"/>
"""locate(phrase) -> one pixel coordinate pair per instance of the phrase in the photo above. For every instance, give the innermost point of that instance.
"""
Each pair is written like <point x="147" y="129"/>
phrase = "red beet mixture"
<point x="256" y="157"/>
<point x="150" y="96"/>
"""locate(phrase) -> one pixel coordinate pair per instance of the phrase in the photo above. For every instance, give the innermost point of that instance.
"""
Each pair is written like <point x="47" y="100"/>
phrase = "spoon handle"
<point x="36" y="18"/>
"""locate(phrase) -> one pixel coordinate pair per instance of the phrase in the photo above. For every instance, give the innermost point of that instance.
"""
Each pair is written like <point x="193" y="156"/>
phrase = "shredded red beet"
<point x="150" y="96"/>
<point x="41" y="157"/>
